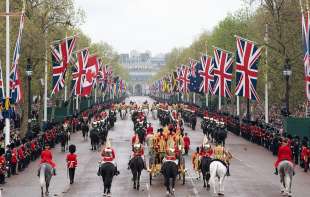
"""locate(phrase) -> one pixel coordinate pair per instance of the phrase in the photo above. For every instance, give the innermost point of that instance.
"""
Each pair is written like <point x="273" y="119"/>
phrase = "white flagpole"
<point x="220" y="102"/>
<point x="266" y="84"/>
<point x="77" y="102"/>
<point x="207" y="99"/>
<point x="238" y="106"/>
<point x="45" y="81"/>
<point x="7" y="71"/>
<point x="65" y="92"/>
<point x="95" y="95"/>
<point x="194" y="98"/>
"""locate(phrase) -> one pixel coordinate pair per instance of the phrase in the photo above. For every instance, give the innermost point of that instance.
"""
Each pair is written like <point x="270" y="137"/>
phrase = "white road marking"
<point x="246" y="164"/>
<point x="148" y="189"/>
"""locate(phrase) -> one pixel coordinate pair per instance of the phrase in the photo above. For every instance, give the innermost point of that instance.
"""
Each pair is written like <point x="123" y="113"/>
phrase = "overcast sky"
<point x="155" y="25"/>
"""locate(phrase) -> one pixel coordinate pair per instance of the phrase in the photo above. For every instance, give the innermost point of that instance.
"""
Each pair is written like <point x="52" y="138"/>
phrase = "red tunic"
<point x="20" y="153"/>
<point x="71" y="160"/>
<point x="47" y="157"/>
<point x="139" y="153"/>
<point x="284" y="153"/>
<point x="14" y="156"/>
<point x="134" y="139"/>
<point x="171" y="157"/>
<point x="149" y="130"/>
<point x="208" y="153"/>
<point x="109" y="158"/>
<point x="187" y="142"/>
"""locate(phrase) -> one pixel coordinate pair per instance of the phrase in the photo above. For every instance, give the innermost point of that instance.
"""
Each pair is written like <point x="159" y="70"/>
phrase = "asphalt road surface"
<point x="251" y="170"/>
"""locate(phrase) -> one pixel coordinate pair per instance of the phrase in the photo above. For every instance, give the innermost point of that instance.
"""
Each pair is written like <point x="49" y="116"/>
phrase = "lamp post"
<point x="29" y="73"/>
<point x="287" y="72"/>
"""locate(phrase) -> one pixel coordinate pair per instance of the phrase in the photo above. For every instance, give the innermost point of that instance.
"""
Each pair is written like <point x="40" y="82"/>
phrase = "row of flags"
<point x="214" y="75"/>
<point x="88" y="71"/>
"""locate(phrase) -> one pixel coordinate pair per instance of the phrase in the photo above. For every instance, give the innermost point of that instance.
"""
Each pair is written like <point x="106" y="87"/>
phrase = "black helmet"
<point x="72" y="148"/>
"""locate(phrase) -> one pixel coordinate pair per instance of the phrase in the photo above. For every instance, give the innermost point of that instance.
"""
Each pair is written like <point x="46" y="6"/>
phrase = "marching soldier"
<point x="71" y="162"/>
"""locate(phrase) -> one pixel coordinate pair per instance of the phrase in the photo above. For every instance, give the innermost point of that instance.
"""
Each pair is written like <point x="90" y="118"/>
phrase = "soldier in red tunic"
<point x="71" y="162"/>
<point x="284" y="153"/>
<point x="187" y="143"/>
<point x="47" y="157"/>
<point x="2" y="166"/>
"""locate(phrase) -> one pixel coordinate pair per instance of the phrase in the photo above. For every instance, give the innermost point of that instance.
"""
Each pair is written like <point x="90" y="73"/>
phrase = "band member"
<point x="71" y="162"/>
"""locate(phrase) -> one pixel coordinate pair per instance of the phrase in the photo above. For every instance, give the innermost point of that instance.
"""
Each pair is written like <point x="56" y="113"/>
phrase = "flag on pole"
<point x="223" y="67"/>
<point x="184" y="79"/>
<point x="195" y="78"/>
<point x="306" y="41"/>
<point x="207" y="73"/>
<point x="91" y="73"/>
<point x="247" y="57"/>
<point x="78" y="71"/>
<point x="61" y="55"/>
<point x="193" y="64"/>
<point x="15" y="82"/>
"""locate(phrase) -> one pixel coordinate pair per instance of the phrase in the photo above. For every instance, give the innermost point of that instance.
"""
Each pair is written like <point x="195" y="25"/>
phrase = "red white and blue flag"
<point x="15" y="82"/>
<point x="207" y="73"/>
<point x="90" y="76"/>
<point x="61" y="55"/>
<point x="184" y="79"/>
<point x="193" y="64"/>
<point x="78" y="71"/>
<point x="247" y="60"/>
<point x="223" y="68"/>
<point x="306" y="41"/>
<point x="102" y="75"/>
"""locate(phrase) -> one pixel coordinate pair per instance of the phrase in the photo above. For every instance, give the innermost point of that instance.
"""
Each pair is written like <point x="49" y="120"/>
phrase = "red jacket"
<point x="14" y="156"/>
<point x="149" y="130"/>
<point x="139" y="153"/>
<point x="208" y="153"/>
<point x="304" y="152"/>
<point x="71" y="160"/>
<point x="109" y="158"/>
<point x="20" y="153"/>
<point x="47" y="157"/>
<point x="133" y="139"/>
<point x="284" y="153"/>
<point x="187" y="142"/>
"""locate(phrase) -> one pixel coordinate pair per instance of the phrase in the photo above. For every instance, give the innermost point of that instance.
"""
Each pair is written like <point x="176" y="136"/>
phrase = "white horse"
<point x="218" y="171"/>
<point x="45" y="176"/>
<point x="145" y="111"/>
<point x="286" y="171"/>
<point x="123" y="114"/>
<point x="154" y="114"/>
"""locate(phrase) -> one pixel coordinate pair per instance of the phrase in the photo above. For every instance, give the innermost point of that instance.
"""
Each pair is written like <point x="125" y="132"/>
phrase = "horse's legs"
<point x="46" y="187"/>
<point x="204" y="179"/>
<point x="221" y="185"/>
<point x="173" y="184"/>
<point x="134" y="179"/>
<point x="213" y="177"/>
<point x="42" y="192"/>
<point x="138" y="180"/>
<point x="167" y="184"/>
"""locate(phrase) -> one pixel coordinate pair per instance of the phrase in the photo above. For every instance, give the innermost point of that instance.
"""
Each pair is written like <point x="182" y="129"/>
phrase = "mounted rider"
<point x="221" y="154"/>
<point x="138" y="151"/>
<point x="47" y="158"/>
<point x="284" y="153"/>
<point x="108" y="156"/>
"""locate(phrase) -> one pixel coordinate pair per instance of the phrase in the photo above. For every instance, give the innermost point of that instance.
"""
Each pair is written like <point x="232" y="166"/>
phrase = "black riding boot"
<point x="276" y="171"/>
<point x="116" y="171"/>
<point x="99" y="172"/>
<point x="228" y="173"/>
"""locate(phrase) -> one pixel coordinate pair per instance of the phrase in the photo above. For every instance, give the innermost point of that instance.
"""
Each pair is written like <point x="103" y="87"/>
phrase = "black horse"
<point x="94" y="139"/>
<point x="63" y="141"/>
<point x="220" y="136"/>
<point x="205" y="170"/>
<point x="136" y="165"/>
<point x="107" y="172"/>
<point x="85" y="130"/>
<point x="170" y="171"/>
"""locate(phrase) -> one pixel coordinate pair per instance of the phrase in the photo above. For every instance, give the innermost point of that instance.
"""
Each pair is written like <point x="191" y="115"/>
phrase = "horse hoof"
<point x="167" y="193"/>
<point x="220" y="194"/>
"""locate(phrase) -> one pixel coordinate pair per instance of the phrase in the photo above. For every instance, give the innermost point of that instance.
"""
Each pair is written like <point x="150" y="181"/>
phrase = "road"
<point x="251" y="170"/>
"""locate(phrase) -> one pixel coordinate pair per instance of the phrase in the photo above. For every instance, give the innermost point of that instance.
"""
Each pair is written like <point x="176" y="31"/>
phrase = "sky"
<point x="154" y="25"/>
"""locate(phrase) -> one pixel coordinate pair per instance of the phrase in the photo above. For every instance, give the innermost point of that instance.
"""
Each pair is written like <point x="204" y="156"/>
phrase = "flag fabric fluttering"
<point x="61" y="55"/>
<point x="223" y="68"/>
<point x="184" y="79"/>
<point x="193" y="64"/>
<point x="306" y="41"/>
<point x="207" y="73"/>
<point x="78" y="71"/>
<point x="195" y="79"/>
<point x="91" y="72"/>
<point x="15" y="81"/>
<point x="247" y="60"/>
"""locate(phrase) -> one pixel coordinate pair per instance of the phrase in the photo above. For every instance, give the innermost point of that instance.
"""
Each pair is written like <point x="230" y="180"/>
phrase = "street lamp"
<point x="287" y="72"/>
<point x="29" y="73"/>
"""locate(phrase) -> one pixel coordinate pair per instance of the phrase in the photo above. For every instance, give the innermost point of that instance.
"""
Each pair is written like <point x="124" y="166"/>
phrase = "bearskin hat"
<point x="72" y="148"/>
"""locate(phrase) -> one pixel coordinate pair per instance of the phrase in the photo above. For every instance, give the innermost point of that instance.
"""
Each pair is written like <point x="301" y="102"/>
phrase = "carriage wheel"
<point x="151" y="178"/>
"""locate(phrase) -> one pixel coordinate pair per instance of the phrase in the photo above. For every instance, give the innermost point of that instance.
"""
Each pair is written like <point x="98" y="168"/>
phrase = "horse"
<point x="218" y="170"/>
<point x="85" y="130"/>
<point x="63" y="141"/>
<point x="107" y="172"/>
<point x="45" y="176"/>
<point x="220" y="136"/>
<point x="94" y="140"/>
<point x="286" y="172"/>
<point x="136" y="165"/>
<point x="123" y="114"/>
<point x="170" y="171"/>
<point x="205" y="170"/>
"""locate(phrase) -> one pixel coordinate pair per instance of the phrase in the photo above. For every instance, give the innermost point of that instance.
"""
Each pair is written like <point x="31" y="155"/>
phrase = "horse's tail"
<point x="42" y="176"/>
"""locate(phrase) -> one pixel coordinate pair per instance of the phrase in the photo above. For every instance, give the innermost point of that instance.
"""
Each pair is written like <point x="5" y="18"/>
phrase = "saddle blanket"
<point x="175" y="161"/>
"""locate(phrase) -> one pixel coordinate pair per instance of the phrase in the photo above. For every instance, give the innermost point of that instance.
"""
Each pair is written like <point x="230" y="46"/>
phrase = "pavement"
<point x="251" y="170"/>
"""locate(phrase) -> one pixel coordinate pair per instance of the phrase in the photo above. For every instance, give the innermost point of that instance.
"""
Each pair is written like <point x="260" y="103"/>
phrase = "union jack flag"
<point x="306" y="40"/>
<point x="102" y="76"/>
<point x="247" y="57"/>
<point x="223" y="67"/>
<point x="15" y="82"/>
<point x="207" y="73"/>
<point x="78" y="70"/>
<point x="184" y="78"/>
<point x="61" y="55"/>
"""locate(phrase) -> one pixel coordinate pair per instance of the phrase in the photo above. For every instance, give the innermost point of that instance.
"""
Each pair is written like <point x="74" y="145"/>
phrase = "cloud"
<point x="155" y="25"/>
